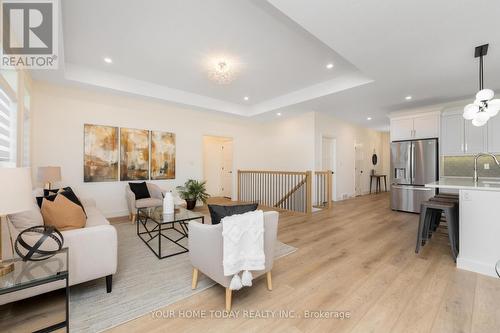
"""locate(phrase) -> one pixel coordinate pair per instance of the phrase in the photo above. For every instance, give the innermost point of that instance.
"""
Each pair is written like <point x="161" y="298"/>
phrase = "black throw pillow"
<point x="217" y="213"/>
<point x="140" y="190"/>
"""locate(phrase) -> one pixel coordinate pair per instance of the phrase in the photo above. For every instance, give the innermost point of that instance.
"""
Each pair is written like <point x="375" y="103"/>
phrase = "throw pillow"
<point x="140" y="190"/>
<point x="218" y="212"/>
<point x="62" y="213"/>
<point x="67" y="192"/>
<point x="27" y="219"/>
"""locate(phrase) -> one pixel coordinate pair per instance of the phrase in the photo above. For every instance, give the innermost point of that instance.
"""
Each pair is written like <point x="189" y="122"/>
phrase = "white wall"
<point x="347" y="136"/>
<point x="59" y="114"/>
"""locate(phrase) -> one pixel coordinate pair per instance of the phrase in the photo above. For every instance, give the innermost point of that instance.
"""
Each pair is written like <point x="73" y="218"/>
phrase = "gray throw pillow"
<point x="27" y="219"/>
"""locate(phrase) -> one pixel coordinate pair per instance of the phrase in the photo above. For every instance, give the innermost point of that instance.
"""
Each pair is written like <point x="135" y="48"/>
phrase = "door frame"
<point x="222" y="138"/>
<point x="334" y="162"/>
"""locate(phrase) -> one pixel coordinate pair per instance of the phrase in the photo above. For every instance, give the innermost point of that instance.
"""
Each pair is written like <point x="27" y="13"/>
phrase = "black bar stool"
<point x="430" y="216"/>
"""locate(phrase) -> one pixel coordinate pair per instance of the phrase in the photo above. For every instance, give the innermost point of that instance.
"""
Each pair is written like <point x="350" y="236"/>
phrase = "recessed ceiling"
<point x="172" y="44"/>
<point x="282" y="49"/>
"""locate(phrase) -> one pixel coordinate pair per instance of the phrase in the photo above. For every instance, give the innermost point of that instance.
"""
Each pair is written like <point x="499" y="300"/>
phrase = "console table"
<point x="377" y="183"/>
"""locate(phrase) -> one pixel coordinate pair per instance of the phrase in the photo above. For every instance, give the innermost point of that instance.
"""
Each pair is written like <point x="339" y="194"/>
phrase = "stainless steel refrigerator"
<point x="413" y="164"/>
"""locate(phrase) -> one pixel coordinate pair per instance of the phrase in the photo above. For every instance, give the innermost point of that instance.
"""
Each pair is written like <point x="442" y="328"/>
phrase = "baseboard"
<point x="477" y="266"/>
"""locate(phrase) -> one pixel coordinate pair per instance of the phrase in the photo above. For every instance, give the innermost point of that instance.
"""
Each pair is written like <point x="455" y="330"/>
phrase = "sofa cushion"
<point x="140" y="190"/>
<point x="62" y="213"/>
<point x="27" y="219"/>
<point x="149" y="202"/>
<point x="217" y="212"/>
<point x="95" y="217"/>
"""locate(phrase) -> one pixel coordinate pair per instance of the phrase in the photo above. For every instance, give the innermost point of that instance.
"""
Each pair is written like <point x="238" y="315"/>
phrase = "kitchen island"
<point x="479" y="230"/>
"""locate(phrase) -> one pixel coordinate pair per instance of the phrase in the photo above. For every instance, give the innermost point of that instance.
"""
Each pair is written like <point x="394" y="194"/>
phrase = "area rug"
<point x="142" y="284"/>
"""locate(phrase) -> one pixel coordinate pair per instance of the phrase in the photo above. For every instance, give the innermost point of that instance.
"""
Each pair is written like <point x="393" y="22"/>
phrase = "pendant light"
<point x="484" y="107"/>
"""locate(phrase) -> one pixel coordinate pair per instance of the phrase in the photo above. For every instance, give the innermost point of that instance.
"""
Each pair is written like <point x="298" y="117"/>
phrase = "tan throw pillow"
<point x="62" y="214"/>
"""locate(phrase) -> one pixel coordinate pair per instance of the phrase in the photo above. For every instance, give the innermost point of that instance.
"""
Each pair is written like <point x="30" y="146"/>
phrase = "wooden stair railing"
<point x="323" y="184"/>
<point x="287" y="190"/>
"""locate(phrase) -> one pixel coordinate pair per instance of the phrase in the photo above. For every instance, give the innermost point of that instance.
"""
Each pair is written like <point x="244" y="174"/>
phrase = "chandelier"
<point x="484" y="107"/>
<point x="221" y="72"/>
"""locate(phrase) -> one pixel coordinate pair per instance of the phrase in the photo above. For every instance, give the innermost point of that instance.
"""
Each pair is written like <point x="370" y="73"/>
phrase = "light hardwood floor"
<point x="357" y="257"/>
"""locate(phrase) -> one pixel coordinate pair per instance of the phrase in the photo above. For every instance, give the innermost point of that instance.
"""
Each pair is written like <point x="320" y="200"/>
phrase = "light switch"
<point x="486" y="166"/>
<point x="466" y="196"/>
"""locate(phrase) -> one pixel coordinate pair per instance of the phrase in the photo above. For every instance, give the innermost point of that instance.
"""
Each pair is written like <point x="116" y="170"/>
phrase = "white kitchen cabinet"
<point x="494" y="134"/>
<point x="420" y="126"/>
<point x="452" y="135"/>
<point x="475" y="138"/>
<point x="401" y="129"/>
<point x="426" y="127"/>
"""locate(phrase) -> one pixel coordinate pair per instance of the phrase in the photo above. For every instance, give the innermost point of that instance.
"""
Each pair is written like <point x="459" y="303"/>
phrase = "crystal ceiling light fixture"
<point x="221" y="71"/>
<point x="484" y="107"/>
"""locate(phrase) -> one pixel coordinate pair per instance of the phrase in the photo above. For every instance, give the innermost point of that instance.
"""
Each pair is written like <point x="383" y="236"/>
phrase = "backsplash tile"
<point x="463" y="166"/>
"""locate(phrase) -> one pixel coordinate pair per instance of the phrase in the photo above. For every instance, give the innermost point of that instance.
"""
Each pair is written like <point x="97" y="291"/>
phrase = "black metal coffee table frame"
<point x="158" y="231"/>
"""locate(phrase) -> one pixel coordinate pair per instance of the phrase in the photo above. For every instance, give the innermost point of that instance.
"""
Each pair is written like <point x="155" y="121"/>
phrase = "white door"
<point x="227" y="169"/>
<point x="401" y="129"/>
<point x="328" y="162"/>
<point x="426" y="127"/>
<point x="475" y="138"/>
<point x="494" y="134"/>
<point x="452" y="135"/>
<point x="218" y="165"/>
<point x="359" y="169"/>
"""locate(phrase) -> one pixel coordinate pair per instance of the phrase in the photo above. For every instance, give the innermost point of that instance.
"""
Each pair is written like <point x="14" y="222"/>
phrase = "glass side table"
<point x="29" y="274"/>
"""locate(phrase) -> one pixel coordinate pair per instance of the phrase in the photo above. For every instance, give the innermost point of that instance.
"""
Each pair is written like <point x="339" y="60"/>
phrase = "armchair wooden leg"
<point x="269" y="281"/>
<point x="195" y="278"/>
<point x="134" y="218"/>
<point x="229" y="293"/>
<point x="130" y="216"/>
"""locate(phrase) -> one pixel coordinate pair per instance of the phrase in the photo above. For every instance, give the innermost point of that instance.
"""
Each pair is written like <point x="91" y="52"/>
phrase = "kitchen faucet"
<point x="476" y="157"/>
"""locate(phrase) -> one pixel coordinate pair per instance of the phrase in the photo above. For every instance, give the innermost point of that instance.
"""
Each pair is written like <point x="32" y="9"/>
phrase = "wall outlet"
<point x="466" y="196"/>
<point x="486" y="166"/>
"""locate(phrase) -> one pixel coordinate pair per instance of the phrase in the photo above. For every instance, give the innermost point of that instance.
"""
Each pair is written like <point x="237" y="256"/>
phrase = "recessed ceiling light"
<point x="246" y="98"/>
<point x="369" y="118"/>
<point x="408" y="97"/>
<point x="108" y="60"/>
<point x="278" y="114"/>
<point x="329" y="66"/>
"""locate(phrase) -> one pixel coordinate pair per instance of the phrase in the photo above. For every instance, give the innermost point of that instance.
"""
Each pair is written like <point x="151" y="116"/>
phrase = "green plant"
<point x="193" y="190"/>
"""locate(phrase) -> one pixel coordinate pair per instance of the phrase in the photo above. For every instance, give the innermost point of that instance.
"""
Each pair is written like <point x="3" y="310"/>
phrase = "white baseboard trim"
<point x="477" y="266"/>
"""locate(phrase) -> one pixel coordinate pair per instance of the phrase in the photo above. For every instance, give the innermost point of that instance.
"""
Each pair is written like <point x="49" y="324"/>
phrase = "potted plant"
<point x="192" y="191"/>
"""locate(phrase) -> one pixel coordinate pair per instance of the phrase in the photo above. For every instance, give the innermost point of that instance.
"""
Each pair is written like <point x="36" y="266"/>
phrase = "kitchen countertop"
<point x="466" y="184"/>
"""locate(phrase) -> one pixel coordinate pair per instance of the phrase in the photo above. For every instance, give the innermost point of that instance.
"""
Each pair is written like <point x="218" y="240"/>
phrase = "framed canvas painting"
<point x="100" y="153"/>
<point x="162" y="155"/>
<point x="134" y="154"/>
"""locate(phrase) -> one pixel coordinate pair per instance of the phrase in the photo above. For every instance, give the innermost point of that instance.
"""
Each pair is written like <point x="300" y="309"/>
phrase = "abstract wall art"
<point x="100" y="153"/>
<point x="162" y="155"/>
<point x="134" y="154"/>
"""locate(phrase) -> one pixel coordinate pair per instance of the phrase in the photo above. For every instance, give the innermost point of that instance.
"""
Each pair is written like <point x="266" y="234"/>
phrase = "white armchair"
<point x="155" y="200"/>
<point x="205" y="251"/>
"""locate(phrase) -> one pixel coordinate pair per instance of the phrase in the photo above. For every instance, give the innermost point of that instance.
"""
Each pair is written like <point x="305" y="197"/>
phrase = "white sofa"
<point x="92" y="253"/>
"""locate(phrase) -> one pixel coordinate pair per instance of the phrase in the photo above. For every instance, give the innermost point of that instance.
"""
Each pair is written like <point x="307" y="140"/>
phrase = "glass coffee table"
<point x="29" y="274"/>
<point x="158" y="230"/>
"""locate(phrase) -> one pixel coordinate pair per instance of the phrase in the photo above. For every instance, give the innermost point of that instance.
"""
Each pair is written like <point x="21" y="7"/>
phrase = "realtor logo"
<point x="29" y="34"/>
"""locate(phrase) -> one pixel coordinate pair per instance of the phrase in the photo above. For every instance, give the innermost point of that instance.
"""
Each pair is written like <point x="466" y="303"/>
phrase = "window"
<point x="26" y="129"/>
<point x="8" y="133"/>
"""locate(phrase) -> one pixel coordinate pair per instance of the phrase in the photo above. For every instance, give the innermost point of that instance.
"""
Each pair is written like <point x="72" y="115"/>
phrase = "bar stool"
<point x="454" y="200"/>
<point x="430" y="216"/>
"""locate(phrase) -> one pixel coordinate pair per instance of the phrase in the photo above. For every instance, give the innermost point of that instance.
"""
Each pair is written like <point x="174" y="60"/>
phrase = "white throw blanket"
<point x="243" y="247"/>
